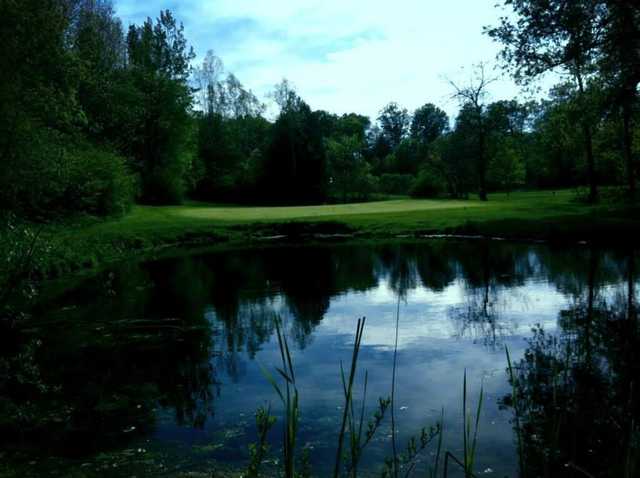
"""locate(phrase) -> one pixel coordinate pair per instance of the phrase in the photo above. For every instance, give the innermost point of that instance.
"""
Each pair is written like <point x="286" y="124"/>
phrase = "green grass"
<point x="401" y="214"/>
<point x="525" y="215"/>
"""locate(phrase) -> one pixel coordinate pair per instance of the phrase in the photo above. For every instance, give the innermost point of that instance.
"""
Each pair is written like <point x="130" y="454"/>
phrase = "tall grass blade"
<point x="476" y="428"/>
<point x="516" y="408"/>
<point x="258" y="451"/>
<point x="465" y="431"/>
<point x="289" y="397"/>
<point x="448" y="455"/>
<point x="393" y="394"/>
<point x="272" y="381"/>
<point x="433" y="472"/>
<point x="347" y="414"/>
<point x="469" y="435"/>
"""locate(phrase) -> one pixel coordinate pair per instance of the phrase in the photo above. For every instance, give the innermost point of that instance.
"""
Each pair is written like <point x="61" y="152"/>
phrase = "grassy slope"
<point x="535" y="215"/>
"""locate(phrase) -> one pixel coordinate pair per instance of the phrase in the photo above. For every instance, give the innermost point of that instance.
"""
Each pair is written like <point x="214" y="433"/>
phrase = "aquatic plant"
<point x="393" y="394"/>
<point x="348" y="415"/>
<point x="290" y="399"/>
<point x="352" y="425"/>
<point x="407" y="461"/>
<point x="470" y="436"/>
<point x="258" y="450"/>
<point x="516" y="408"/>
<point x="471" y="426"/>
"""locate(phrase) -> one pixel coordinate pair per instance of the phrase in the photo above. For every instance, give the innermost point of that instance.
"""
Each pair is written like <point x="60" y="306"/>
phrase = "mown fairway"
<point x="222" y="213"/>
<point x="399" y="215"/>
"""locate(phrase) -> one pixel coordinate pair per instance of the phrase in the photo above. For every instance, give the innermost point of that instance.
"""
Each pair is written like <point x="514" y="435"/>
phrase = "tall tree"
<point x="208" y="83"/>
<point x="507" y="143"/>
<point x="348" y="170"/>
<point x="620" y="65"/>
<point x="472" y="97"/>
<point x="556" y="145"/>
<point x="38" y="107"/>
<point x="231" y="133"/>
<point x="394" y="122"/>
<point x="159" y="62"/>
<point x="98" y="43"/>
<point x="453" y="153"/>
<point x="429" y="123"/>
<point x="295" y="165"/>
<point x="549" y="34"/>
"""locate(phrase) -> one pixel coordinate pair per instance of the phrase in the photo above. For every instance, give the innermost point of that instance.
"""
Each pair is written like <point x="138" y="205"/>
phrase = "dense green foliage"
<point x="295" y="163"/>
<point x="159" y="70"/>
<point x="46" y="164"/>
<point x="597" y="43"/>
<point x="85" y="110"/>
<point x="93" y="118"/>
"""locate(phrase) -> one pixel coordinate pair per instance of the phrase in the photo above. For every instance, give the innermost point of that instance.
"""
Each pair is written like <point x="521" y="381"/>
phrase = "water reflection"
<point x="575" y="403"/>
<point x="168" y="352"/>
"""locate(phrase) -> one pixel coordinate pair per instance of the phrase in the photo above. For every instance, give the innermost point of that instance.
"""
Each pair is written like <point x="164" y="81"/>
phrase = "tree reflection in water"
<point x="576" y="391"/>
<point x="116" y="347"/>
<point x="489" y="273"/>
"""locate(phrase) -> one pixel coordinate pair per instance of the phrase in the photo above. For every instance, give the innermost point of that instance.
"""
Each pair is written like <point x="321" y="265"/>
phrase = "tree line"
<point x="94" y="117"/>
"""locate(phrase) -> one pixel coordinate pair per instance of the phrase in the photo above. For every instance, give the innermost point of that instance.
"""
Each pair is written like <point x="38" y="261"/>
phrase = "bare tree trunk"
<point x="627" y="43"/>
<point x="588" y="143"/>
<point x="482" y="168"/>
<point x="482" y="157"/>
<point x="591" y="168"/>
<point x="627" y="145"/>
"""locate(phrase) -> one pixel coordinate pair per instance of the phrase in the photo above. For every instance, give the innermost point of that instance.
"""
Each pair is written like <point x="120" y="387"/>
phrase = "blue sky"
<point x="342" y="55"/>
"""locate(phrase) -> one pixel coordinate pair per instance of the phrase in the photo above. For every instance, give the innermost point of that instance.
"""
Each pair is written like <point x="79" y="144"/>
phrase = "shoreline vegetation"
<point x="549" y="216"/>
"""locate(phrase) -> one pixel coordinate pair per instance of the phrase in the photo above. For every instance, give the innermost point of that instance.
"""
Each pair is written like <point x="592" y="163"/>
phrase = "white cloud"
<point x="343" y="56"/>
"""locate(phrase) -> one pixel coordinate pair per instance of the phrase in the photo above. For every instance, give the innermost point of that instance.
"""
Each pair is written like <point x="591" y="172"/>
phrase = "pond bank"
<point x="147" y="231"/>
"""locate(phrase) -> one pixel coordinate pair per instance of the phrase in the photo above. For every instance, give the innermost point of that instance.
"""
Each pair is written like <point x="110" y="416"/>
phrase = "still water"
<point x="155" y="368"/>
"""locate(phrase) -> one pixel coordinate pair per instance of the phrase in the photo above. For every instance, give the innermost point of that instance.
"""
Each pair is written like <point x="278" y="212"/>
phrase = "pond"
<point x="157" y="368"/>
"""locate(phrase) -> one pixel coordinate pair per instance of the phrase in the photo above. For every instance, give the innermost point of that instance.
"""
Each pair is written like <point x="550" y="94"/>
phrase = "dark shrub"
<point x="395" y="183"/>
<point x="55" y="176"/>
<point x="428" y="184"/>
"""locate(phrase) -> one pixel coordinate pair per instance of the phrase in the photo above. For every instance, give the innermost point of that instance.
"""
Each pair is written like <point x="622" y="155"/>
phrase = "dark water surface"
<point x="155" y="367"/>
